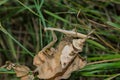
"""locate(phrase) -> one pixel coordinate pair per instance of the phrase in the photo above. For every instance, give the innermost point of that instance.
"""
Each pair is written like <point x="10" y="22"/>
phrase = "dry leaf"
<point x="74" y="65"/>
<point x="21" y="70"/>
<point x="65" y="57"/>
<point x="69" y="51"/>
<point x="8" y="65"/>
<point x="27" y="77"/>
<point x="77" y="64"/>
<point x="47" y="66"/>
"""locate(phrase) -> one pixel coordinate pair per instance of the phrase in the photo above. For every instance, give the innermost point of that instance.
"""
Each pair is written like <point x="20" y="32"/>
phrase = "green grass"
<point x="22" y="32"/>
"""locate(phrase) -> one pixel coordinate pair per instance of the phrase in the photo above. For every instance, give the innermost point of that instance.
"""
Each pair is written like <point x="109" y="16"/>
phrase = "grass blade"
<point x="4" y="31"/>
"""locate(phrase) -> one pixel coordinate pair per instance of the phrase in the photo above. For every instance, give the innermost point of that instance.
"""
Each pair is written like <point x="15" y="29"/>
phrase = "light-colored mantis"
<point x="58" y="63"/>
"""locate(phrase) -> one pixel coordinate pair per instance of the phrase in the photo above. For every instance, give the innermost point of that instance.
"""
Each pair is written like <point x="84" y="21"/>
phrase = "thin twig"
<point x="112" y="77"/>
<point x="97" y="23"/>
<point x="104" y="61"/>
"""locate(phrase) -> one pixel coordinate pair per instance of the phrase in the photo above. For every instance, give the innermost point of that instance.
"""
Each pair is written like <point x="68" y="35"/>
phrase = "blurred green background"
<point x="22" y="33"/>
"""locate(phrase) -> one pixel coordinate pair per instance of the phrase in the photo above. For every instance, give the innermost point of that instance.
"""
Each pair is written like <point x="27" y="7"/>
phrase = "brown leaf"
<point x="27" y="77"/>
<point x="8" y="65"/>
<point x="65" y="57"/>
<point x="21" y="70"/>
<point x="77" y="64"/>
<point x="47" y="66"/>
<point x="69" y="51"/>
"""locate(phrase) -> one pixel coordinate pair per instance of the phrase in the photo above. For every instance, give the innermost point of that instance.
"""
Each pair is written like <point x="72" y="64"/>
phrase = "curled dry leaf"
<point x="63" y="61"/>
<point x="47" y="66"/>
<point x="69" y="51"/>
<point x="76" y="64"/>
<point x="65" y="56"/>
<point x="21" y="71"/>
<point x="8" y="65"/>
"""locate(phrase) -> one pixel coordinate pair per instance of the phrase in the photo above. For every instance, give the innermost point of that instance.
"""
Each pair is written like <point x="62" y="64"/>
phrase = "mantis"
<point x="58" y="63"/>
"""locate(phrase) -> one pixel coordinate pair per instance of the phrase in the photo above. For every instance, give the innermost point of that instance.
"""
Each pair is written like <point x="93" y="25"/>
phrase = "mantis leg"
<point x="51" y="43"/>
